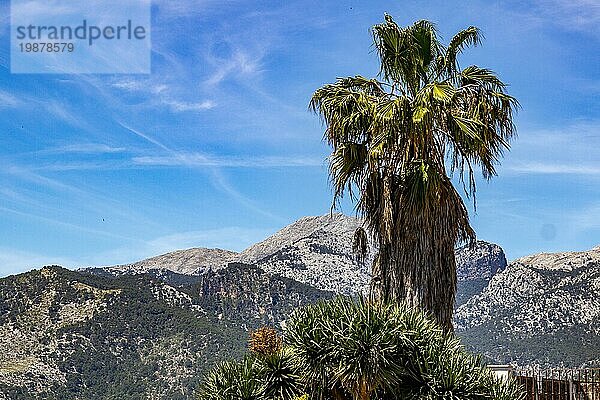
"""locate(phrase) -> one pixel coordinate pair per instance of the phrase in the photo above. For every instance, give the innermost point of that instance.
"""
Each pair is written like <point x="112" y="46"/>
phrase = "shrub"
<point x="258" y="376"/>
<point x="353" y="349"/>
<point x="231" y="380"/>
<point x="346" y="349"/>
<point x="280" y="374"/>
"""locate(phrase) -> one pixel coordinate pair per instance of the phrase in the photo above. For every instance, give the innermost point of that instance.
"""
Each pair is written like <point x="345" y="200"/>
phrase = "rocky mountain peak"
<point x="480" y="261"/>
<point x="564" y="261"/>
<point x="314" y="250"/>
<point x="545" y="304"/>
<point x="322" y="226"/>
<point x="188" y="261"/>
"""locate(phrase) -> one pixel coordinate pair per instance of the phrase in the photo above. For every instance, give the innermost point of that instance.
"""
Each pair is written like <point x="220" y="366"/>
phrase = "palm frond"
<point x="360" y="245"/>
<point x="467" y="37"/>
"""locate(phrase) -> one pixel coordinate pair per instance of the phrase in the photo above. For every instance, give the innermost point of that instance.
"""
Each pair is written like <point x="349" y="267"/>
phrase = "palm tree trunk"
<point x="421" y="273"/>
<point x="363" y="391"/>
<point x="416" y="263"/>
<point x="436" y="297"/>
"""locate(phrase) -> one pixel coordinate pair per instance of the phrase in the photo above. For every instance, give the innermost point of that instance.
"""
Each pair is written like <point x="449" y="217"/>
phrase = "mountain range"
<point x="149" y="329"/>
<point x="542" y="309"/>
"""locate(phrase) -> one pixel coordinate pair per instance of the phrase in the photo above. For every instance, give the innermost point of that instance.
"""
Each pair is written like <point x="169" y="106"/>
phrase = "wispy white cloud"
<point x="55" y="107"/>
<point x="586" y="218"/>
<point x="12" y="195"/>
<point x="86" y="148"/>
<point x="203" y="160"/>
<point x="581" y="15"/>
<point x="159" y="95"/>
<point x="240" y="65"/>
<point x="215" y="174"/>
<point x="574" y="133"/>
<point x="61" y="110"/>
<point x="182" y="106"/>
<point x="190" y="8"/>
<point x="146" y="137"/>
<point x="8" y="100"/>
<point x="139" y="85"/>
<point x="63" y="224"/>
<point x="570" y="15"/>
<point x="99" y="165"/>
<point x="27" y="175"/>
<point x="555" y="169"/>
<point x="182" y="159"/>
<point x="85" y="199"/>
<point x="568" y="150"/>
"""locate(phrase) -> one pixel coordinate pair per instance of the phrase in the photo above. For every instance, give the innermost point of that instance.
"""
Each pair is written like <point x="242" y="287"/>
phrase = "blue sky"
<point x="216" y="147"/>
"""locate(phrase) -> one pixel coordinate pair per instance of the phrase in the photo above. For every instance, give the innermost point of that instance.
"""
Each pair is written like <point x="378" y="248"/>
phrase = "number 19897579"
<point x="43" y="47"/>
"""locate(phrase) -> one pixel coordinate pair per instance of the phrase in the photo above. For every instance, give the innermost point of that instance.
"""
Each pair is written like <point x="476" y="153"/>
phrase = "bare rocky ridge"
<point x="481" y="261"/>
<point x="336" y="224"/>
<point x="475" y="266"/>
<point x="543" y="308"/>
<point x="189" y="261"/>
<point x="247" y="294"/>
<point x="313" y="250"/>
<point x="316" y="251"/>
<point x="566" y="261"/>
<point x="544" y="287"/>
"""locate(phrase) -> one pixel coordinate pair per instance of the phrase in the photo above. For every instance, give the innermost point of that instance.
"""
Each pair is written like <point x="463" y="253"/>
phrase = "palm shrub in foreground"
<point x="267" y="372"/>
<point x="353" y="349"/>
<point x="233" y="380"/>
<point x="346" y="349"/>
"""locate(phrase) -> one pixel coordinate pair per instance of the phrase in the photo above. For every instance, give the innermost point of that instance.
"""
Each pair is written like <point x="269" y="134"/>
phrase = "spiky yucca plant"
<point x="395" y="144"/>
<point x="359" y="350"/>
<point x="268" y="372"/>
<point x="281" y="375"/>
<point x="234" y="380"/>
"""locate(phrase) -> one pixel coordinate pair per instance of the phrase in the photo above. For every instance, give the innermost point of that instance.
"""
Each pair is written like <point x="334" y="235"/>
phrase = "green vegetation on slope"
<point x="71" y="335"/>
<point x="75" y="336"/>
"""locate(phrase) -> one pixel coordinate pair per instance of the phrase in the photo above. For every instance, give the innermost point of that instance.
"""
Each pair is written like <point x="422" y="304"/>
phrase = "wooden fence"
<point x="559" y="383"/>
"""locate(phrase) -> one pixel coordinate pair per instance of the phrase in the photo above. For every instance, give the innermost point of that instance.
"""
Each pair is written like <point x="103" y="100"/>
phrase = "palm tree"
<point x="396" y="144"/>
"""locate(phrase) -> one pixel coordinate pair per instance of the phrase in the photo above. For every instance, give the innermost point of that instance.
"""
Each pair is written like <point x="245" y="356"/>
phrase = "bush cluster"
<point x="346" y="349"/>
